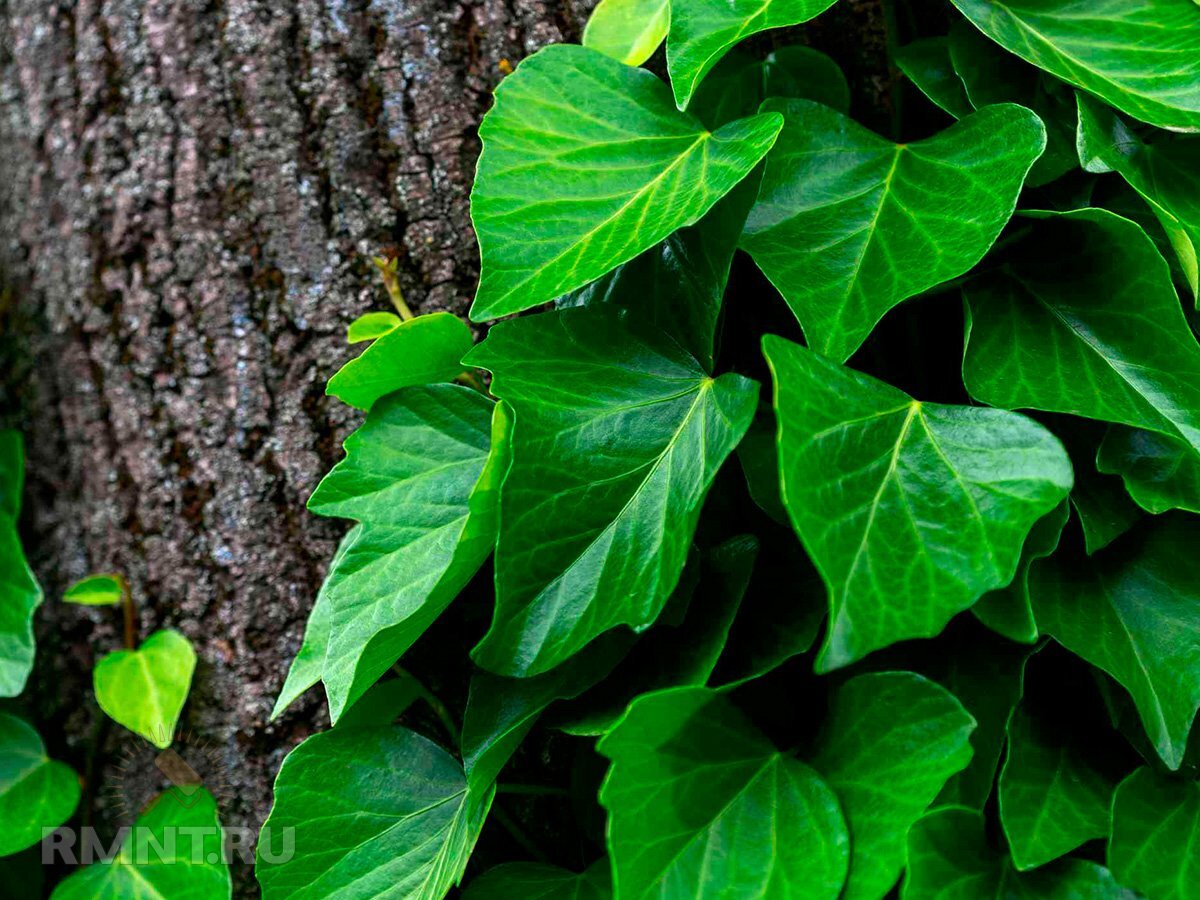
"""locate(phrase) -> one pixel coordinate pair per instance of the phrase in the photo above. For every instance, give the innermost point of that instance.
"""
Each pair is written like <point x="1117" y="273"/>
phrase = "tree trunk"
<point x="190" y="191"/>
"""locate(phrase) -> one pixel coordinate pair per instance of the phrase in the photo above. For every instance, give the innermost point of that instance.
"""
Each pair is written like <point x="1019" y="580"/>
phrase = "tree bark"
<point x="190" y="192"/>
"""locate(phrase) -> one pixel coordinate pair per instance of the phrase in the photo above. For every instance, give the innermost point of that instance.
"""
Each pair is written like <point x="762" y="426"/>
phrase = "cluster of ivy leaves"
<point x="863" y="560"/>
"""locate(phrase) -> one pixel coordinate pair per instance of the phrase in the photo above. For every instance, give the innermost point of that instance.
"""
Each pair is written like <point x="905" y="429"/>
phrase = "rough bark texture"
<point x="190" y="191"/>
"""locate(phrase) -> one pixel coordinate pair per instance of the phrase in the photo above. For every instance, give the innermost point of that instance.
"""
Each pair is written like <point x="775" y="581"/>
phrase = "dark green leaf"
<point x="1052" y="799"/>
<point x="701" y="805"/>
<point x="536" y="881"/>
<point x="911" y="511"/>
<point x="1134" y="611"/>
<point x="927" y="64"/>
<point x="1143" y="57"/>
<point x="1155" y="844"/>
<point x="423" y="350"/>
<point x="848" y="224"/>
<point x="397" y="819"/>
<point x="949" y="859"/>
<point x="586" y="163"/>
<point x="891" y="742"/>
<point x="1160" y="472"/>
<point x="617" y="438"/>
<point x="1009" y="610"/>
<point x="1104" y="508"/>
<point x="174" y="851"/>
<point x="36" y="792"/>
<point x="383" y="703"/>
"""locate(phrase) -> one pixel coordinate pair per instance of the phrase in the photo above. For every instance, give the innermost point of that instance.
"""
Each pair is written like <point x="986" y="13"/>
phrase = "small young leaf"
<point x="911" y="511"/>
<point x="700" y="802"/>
<point x="1009" y="611"/>
<point x="617" y="437"/>
<point x="36" y="792"/>
<point x="398" y="820"/>
<point x="1052" y="799"/>
<point x="586" y="164"/>
<point x="420" y="478"/>
<point x="1155" y="844"/>
<point x="927" y="64"/>
<point x="848" y="224"/>
<point x="424" y="350"/>
<point x="174" y="850"/>
<point x="1084" y="320"/>
<point x="1134" y="611"/>
<point x="628" y="30"/>
<point x="1160" y="473"/>
<point x="145" y="689"/>
<point x="536" y="881"/>
<point x="1164" y="173"/>
<point x="1143" y="58"/>
<point x="890" y="743"/>
<point x="702" y="31"/>
<point x="96" y="590"/>
<point x="371" y="325"/>
<point x="949" y="859"/>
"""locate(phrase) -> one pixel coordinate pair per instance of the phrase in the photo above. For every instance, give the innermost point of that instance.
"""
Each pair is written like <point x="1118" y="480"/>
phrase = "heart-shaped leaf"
<point x="537" y="881"/>
<point x="1143" y="58"/>
<point x="1084" y="320"/>
<point x="617" y="437"/>
<point x="1154" y="847"/>
<point x="1134" y="611"/>
<point x="424" y="350"/>
<point x="698" y="801"/>
<point x="1164" y="173"/>
<point x="420" y="478"/>
<point x="702" y="31"/>
<point x="949" y="859"/>
<point x="911" y="511"/>
<point x="586" y="163"/>
<point x="174" y="850"/>
<point x="36" y="792"/>
<point x="145" y="689"/>
<point x="848" y="224"/>
<point x="890" y="743"/>
<point x="628" y="30"/>
<point x="399" y="820"/>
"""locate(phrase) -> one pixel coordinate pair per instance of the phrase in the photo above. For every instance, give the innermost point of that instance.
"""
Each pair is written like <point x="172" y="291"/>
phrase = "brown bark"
<point x="190" y="191"/>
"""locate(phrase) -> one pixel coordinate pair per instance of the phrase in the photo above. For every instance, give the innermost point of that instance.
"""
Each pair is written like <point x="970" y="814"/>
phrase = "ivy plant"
<point x="820" y="520"/>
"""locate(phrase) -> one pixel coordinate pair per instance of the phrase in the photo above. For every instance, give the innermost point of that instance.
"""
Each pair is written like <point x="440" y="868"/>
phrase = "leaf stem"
<point x="130" y="616"/>
<point x="389" y="270"/>
<point x="433" y="701"/>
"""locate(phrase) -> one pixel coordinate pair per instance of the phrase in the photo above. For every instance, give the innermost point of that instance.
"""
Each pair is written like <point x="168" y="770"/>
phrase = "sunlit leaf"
<point x="628" y="30"/>
<point x="145" y="689"/>
<point x="96" y="590"/>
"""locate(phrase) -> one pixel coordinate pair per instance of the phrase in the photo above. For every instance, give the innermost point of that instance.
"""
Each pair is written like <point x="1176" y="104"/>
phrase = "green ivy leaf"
<point x="96" y="590"/>
<point x="992" y="75"/>
<point x="420" y="476"/>
<point x="617" y="437"/>
<point x="145" y="689"/>
<point x="1084" y="320"/>
<point x="593" y="163"/>
<point x="1009" y="611"/>
<point x="423" y="350"/>
<point x="537" y="881"/>
<point x="1154" y="847"/>
<point x="890" y="743"/>
<point x="927" y="64"/>
<point x="848" y="224"/>
<point x="20" y="596"/>
<point x="910" y="511"/>
<point x="1160" y="473"/>
<point x="1052" y="799"/>
<point x="1164" y="174"/>
<point x="703" y="31"/>
<point x="398" y="820"/>
<point x="949" y="859"/>
<point x="628" y="30"/>
<point x="173" y="851"/>
<point x="1143" y="58"/>
<point x="674" y="655"/>
<point x="740" y="83"/>
<point x="383" y="703"/>
<point x="1134" y="611"/>
<point x="36" y="792"/>
<point x="372" y="325"/>
<point x="679" y="284"/>
<point x="1104" y="508"/>
<point x="702" y="805"/>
